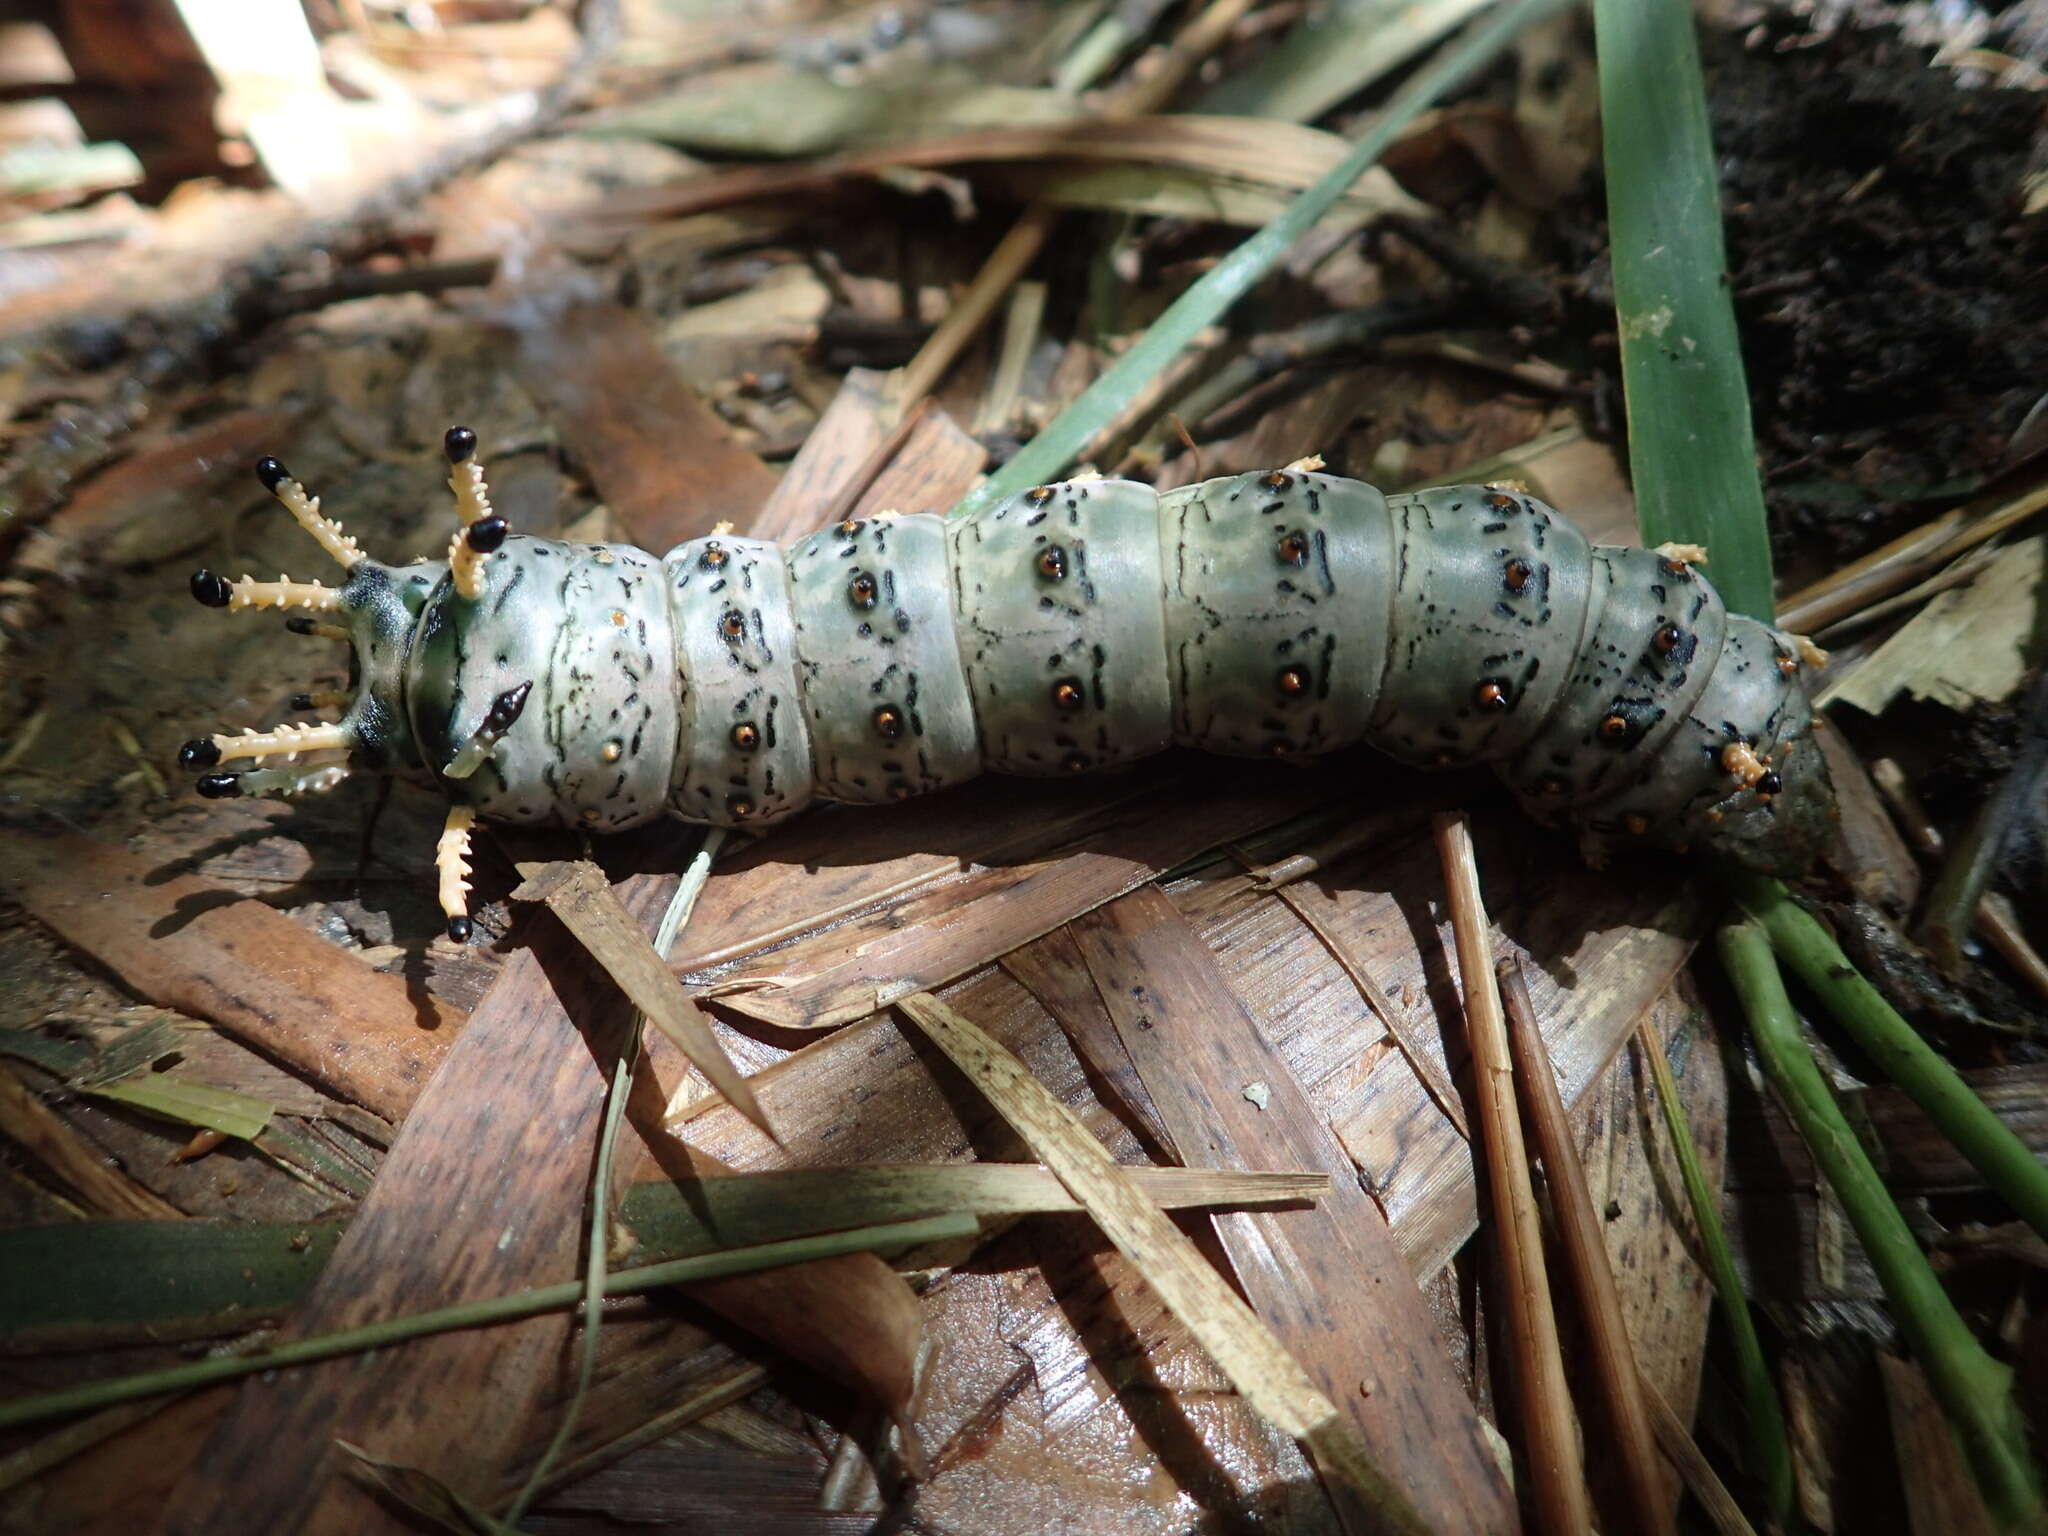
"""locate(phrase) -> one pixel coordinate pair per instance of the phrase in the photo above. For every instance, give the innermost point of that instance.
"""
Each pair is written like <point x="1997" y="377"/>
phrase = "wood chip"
<point x="583" y="899"/>
<point x="661" y="458"/>
<point x="262" y="978"/>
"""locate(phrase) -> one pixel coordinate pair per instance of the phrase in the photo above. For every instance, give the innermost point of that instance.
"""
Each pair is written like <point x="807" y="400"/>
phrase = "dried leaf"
<point x="1238" y="1339"/>
<point x="578" y="893"/>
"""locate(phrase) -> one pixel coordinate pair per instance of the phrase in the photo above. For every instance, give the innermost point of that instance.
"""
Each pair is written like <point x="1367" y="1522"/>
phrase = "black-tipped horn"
<point x="210" y="589"/>
<point x="505" y="709"/>
<point x="199" y="752"/>
<point x="459" y="444"/>
<point x="271" y="472"/>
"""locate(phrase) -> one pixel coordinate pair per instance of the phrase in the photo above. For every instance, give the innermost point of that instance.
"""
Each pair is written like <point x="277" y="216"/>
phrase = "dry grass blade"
<point x="1549" y="1440"/>
<point x="1585" y="1255"/>
<point x="1907" y="559"/>
<point x="747" y="1208"/>
<point x="583" y="899"/>
<point x="1238" y="1339"/>
<point x="1683" y="1453"/>
<point x="1027" y="237"/>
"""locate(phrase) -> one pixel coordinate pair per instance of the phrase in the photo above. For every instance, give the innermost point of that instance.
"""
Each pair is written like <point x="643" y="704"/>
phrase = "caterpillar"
<point x="1074" y="627"/>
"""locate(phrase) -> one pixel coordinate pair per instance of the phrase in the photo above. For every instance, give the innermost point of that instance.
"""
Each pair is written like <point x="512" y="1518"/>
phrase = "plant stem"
<point x="494" y="1309"/>
<point x="1989" y="1144"/>
<point x="1769" y="1449"/>
<point x="1974" y="1390"/>
<point x="1230" y="279"/>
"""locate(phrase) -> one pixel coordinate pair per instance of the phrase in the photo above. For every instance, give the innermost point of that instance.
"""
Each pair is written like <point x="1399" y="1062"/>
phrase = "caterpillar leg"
<point x="451" y="859"/>
<point x="482" y="530"/>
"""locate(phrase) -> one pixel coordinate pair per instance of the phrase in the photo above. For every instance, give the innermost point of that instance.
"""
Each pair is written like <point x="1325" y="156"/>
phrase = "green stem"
<point x="495" y="1309"/>
<point x="680" y="905"/>
<point x="1990" y="1145"/>
<point x="1047" y="454"/>
<point x="1769" y="1447"/>
<point x="1974" y="1390"/>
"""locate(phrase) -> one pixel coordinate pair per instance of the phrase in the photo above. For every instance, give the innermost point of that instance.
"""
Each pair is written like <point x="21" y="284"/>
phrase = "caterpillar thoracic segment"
<point x="1074" y="627"/>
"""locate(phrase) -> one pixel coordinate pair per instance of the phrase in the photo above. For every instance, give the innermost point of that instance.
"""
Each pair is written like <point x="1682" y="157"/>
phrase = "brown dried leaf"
<point x="660" y="457"/>
<point x="1257" y="1364"/>
<point x="1332" y="1281"/>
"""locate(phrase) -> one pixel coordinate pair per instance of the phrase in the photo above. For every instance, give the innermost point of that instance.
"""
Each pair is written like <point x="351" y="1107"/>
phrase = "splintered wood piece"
<point x="584" y="900"/>
<point x="48" y="1138"/>
<point x="938" y="935"/>
<point x="1331" y="1281"/>
<point x="254" y="972"/>
<point x="663" y="461"/>
<point x="933" y="469"/>
<point x="1240" y="1340"/>
<point x="838" y="447"/>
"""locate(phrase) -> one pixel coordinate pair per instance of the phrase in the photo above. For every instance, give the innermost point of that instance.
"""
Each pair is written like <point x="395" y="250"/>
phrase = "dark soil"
<point x="1893" y="301"/>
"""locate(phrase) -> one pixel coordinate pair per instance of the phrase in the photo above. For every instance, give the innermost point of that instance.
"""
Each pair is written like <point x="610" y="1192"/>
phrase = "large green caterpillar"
<point x="1074" y="627"/>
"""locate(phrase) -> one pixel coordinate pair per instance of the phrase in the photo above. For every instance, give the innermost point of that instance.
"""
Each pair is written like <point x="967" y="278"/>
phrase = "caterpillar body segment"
<point x="1060" y="627"/>
<point x="1075" y="627"/>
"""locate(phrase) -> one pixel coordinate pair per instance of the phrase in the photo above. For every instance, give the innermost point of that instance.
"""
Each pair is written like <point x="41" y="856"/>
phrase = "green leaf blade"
<point x="1692" y="450"/>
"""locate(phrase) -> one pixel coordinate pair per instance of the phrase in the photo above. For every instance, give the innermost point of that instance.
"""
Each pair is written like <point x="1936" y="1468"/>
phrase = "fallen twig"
<point x="1585" y="1256"/>
<point x="1548" y="1431"/>
<point x="1995" y="918"/>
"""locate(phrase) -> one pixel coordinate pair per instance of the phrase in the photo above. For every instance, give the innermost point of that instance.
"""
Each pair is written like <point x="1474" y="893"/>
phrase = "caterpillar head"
<point x="1782" y="819"/>
<point x="377" y="611"/>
